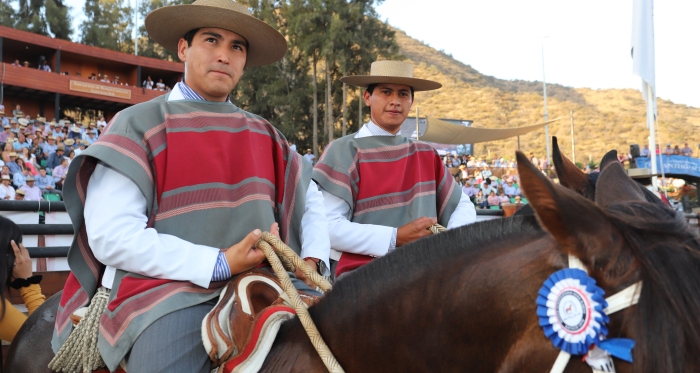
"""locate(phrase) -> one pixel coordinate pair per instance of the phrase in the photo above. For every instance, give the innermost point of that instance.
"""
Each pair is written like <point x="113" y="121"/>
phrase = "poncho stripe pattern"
<point x="252" y="180"/>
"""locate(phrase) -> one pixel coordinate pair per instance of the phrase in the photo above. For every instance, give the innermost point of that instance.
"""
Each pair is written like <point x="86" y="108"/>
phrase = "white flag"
<point x="643" y="61"/>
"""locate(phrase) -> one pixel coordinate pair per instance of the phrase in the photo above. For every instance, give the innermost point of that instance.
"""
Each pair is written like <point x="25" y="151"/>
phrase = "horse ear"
<point x="572" y="220"/>
<point x="615" y="186"/>
<point x="569" y="175"/>
<point x="608" y="159"/>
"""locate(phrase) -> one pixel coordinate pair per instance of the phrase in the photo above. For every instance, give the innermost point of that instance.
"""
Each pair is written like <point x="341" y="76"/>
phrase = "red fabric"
<point x="403" y="173"/>
<point x="232" y="364"/>
<point x="131" y="286"/>
<point x="350" y="261"/>
<point x="69" y="289"/>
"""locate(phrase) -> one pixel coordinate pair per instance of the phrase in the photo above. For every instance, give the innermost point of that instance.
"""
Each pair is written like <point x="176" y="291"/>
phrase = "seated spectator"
<point x="487" y="187"/>
<point x="46" y="183"/>
<point x="31" y="191"/>
<point x="518" y="199"/>
<point x="50" y="146"/>
<point x="148" y="83"/>
<point x="481" y="200"/>
<point x="4" y="170"/>
<point x="668" y="150"/>
<point x="16" y="272"/>
<point x="676" y="150"/>
<point x="510" y="189"/>
<point x="645" y="152"/>
<point x="19" y="195"/>
<point x="69" y="144"/>
<point x="463" y="173"/>
<point x="7" y="192"/>
<point x="5" y="133"/>
<point x="80" y="147"/>
<point x="18" y="113"/>
<point x="471" y="162"/>
<point x="116" y="80"/>
<point x="25" y="63"/>
<point x="92" y="77"/>
<point x="105" y="78"/>
<point x="45" y="67"/>
<point x="27" y="156"/>
<point x="493" y="199"/>
<point x="16" y="63"/>
<point x="686" y="151"/>
<point x="12" y="164"/>
<point x="469" y="190"/>
<point x="91" y="138"/>
<point x="503" y="198"/>
<point x="20" y="179"/>
<point x="160" y="85"/>
<point x="55" y="158"/>
<point x="59" y="173"/>
<point x="101" y="122"/>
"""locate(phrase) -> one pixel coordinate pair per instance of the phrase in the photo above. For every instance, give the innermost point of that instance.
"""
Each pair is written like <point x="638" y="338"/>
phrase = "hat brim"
<point x="169" y="24"/>
<point x="367" y="80"/>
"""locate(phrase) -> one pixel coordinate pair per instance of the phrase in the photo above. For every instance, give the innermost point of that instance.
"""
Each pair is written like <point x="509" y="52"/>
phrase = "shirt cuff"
<point x="221" y="270"/>
<point x="392" y="244"/>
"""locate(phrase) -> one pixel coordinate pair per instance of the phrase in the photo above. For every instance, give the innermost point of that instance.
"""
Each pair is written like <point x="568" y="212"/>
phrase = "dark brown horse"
<point x="465" y="300"/>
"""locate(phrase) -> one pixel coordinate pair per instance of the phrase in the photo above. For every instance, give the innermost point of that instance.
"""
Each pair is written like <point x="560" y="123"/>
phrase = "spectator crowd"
<point x="148" y="83"/>
<point x="36" y="153"/>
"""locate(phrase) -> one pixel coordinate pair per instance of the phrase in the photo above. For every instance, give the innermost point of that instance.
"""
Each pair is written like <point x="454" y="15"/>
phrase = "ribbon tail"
<point x="621" y="348"/>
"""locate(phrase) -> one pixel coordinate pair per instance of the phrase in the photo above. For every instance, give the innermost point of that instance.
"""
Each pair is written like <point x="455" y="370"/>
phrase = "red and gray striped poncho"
<point x="254" y="181"/>
<point x="386" y="180"/>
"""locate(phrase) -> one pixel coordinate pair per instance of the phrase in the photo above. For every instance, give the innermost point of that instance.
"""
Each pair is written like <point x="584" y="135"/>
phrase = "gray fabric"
<point x="172" y="344"/>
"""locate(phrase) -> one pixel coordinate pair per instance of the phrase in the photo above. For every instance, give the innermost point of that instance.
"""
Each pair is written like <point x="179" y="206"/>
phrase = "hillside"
<point x="603" y="119"/>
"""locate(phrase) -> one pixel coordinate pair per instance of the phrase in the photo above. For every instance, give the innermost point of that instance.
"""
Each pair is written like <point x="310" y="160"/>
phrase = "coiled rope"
<point x="79" y="353"/>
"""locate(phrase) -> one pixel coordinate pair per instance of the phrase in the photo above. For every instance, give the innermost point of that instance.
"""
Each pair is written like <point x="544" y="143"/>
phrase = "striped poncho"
<point x="386" y="180"/>
<point x="254" y="181"/>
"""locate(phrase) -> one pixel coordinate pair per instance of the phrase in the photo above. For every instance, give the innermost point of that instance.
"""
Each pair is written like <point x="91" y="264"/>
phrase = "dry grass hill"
<point x="604" y="119"/>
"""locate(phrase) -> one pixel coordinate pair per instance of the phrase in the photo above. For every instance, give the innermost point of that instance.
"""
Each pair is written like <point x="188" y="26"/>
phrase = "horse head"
<point x="623" y="238"/>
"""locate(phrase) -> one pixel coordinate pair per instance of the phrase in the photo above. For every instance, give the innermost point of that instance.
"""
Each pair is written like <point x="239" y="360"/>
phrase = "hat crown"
<point x="225" y="4"/>
<point x="392" y="68"/>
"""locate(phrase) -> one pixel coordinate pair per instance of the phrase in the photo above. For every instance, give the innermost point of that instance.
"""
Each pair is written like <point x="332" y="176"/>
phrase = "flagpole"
<point x="652" y="134"/>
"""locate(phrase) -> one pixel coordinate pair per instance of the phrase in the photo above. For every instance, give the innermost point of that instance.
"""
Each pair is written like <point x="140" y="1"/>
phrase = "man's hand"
<point x="414" y="230"/>
<point x="301" y="276"/>
<point x="243" y="255"/>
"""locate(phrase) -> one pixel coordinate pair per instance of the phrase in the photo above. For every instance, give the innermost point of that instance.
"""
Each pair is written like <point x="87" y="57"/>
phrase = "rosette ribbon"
<point x="570" y="309"/>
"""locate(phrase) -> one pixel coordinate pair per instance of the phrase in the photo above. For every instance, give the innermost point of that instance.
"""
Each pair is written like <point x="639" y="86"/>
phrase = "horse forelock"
<point x="665" y="322"/>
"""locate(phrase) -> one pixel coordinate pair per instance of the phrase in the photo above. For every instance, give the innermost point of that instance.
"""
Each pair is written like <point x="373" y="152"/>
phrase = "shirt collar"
<point x="182" y="91"/>
<point x="371" y="129"/>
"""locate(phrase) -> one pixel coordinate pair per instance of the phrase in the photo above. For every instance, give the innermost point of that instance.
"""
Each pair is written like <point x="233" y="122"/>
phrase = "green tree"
<point x="45" y="17"/>
<point x="108" y="24"/>
<point x="148" y="47"/>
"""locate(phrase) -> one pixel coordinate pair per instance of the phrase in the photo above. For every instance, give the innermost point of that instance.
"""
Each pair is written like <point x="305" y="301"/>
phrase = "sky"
<point x="586" y="43"/>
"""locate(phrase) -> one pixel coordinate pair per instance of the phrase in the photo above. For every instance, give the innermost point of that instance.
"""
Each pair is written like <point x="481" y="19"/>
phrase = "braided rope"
<point x="79" y="353"/>
<point x="272" y="256"/>
<point x="437" y="228"/>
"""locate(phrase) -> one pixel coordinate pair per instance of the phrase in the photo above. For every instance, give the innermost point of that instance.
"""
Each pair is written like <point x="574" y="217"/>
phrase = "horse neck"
<point x="471" y="316"/>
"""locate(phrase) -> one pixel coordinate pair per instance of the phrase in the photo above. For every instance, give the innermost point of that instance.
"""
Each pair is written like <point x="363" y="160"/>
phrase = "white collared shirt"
<point x="371" y="239"/>
<point x="115" y="219"/>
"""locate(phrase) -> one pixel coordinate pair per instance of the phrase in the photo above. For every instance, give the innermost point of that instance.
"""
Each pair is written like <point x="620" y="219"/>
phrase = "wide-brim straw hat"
<point x="394" y="72"/>
<point x="22" y="121"/>
<point x="169" y="24"/>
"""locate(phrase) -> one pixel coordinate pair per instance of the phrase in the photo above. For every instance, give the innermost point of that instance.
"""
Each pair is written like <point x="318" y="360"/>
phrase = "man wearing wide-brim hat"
<point x="167" y="238"/>
<point x="381" y="189"/>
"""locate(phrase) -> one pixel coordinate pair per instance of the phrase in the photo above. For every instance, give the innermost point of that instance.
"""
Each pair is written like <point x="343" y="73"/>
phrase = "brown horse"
<point x="465" y="300"/>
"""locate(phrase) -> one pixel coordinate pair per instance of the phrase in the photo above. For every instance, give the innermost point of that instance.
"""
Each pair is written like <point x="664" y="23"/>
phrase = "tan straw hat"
<point x="394" y="72"/>
<point x="169" y="24"/>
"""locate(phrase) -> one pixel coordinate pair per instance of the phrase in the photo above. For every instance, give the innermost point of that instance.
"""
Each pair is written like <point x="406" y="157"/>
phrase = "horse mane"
<point x="419" y="259"/>
<point x="666" y="323"/>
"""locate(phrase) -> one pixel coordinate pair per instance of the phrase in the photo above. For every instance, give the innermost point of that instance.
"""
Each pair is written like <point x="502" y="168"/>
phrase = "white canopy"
<point x="441" y="132"/>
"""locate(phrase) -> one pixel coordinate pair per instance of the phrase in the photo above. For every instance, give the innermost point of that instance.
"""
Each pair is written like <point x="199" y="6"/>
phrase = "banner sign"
<point x="100" y="89"/>
<point x="672" y="164"/>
